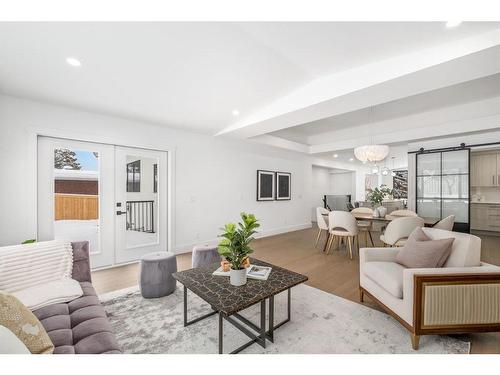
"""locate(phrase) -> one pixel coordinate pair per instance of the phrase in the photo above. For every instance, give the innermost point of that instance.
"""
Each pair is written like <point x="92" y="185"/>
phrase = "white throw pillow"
<point x="10" y="344"/>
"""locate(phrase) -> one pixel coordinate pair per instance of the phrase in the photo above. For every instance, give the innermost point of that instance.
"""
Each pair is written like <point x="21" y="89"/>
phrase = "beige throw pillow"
<point x="21" y="321"/>
<point x="422" y="252"/>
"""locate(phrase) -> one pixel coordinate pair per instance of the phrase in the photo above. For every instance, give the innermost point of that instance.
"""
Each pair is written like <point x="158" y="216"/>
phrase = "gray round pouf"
<point x="204" y="256"/>
<point x="155" y="275"/>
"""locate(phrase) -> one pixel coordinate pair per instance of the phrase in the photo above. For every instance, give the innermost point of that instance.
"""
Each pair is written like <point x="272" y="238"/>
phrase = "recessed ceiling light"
<point x="235" y="112"/>
<point x="73" y="62"/>
<point x="450" y="24"/>
<point x="335" y="155"/>
<point x="351" y="159"/>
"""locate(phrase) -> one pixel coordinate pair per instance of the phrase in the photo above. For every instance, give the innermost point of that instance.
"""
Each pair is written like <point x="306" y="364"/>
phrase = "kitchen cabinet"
<point x="485" y="169"/>
<point x="485" y="216"/>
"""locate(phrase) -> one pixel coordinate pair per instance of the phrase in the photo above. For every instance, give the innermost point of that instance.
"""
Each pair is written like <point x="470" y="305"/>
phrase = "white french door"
<point x="114" y="197"/>
<point x="141" y="202"/>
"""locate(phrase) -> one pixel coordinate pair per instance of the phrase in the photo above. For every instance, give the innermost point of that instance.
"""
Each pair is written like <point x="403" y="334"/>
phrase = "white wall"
<point x="343" y="184"/>
<point x="324" y="182"/>
<point x="320" y="187"/>
<point x="214" y="179"/>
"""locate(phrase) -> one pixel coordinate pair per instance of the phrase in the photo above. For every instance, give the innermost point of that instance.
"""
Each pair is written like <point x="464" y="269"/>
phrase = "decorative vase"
<point x="375" y="212"/>
<point x="382" y="211"/>
<point x="238" y="277"/>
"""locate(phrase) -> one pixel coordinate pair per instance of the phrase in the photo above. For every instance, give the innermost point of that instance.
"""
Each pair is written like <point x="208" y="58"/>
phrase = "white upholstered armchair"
<point x="461" y="297"/>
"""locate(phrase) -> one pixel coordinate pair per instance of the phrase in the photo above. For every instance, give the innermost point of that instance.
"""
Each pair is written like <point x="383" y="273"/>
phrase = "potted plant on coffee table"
<point x="234" y="246"/>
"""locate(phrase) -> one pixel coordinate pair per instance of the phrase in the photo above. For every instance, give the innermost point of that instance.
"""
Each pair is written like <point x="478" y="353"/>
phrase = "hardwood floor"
<point x="334" y="273"/>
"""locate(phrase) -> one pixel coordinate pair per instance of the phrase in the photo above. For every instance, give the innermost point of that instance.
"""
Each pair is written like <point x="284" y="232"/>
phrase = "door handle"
<point x="121" y="212"/>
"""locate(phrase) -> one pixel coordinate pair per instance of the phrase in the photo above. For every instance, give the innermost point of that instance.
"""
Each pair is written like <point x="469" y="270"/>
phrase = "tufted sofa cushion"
<point x="79" y="326"/>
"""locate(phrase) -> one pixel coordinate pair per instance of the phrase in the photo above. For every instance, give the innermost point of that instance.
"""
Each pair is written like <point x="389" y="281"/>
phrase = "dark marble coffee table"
<point x="227" y="300"/>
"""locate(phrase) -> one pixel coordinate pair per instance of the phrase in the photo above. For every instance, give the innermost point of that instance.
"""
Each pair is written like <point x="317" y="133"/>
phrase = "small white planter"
<point x="382" y="211"/>
<point x="238" y="277"/>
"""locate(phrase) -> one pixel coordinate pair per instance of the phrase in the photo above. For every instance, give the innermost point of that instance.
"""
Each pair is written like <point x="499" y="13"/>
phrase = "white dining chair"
<point x="404" y="213"/>
<point x="364" y="226"/>
<point x="342" y="224"/>
<point x="398" y="230"/>
<point x="322" y="222"/>
<point x="446" y="224"/>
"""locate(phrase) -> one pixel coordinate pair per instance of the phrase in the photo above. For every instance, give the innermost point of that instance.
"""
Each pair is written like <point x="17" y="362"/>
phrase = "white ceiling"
<point x="192" y="75"/>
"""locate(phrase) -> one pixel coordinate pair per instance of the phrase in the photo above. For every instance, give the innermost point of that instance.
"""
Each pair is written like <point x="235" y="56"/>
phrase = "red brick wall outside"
<point x="76" y="187"/>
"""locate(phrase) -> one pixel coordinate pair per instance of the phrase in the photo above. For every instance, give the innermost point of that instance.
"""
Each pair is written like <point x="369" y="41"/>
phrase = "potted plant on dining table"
<point x="376" y="196"/>
<point x="235" y="246"/>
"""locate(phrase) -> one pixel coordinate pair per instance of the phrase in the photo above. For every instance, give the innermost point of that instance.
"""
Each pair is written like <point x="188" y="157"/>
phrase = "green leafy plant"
<point x="234" y="246"/>
<point x="377" y="195"/>
<point x="28" y="241"/>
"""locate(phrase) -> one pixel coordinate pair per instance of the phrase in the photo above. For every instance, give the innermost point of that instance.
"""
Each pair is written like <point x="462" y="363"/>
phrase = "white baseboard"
<point x="186" y="248"/>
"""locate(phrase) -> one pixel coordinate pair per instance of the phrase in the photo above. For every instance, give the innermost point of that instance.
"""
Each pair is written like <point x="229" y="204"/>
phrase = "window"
<point x="134" y="177"/>
<point x="155" y="178"/>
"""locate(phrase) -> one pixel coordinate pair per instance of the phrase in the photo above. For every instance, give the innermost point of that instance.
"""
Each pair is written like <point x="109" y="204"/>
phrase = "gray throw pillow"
<point x="422" y="252"/>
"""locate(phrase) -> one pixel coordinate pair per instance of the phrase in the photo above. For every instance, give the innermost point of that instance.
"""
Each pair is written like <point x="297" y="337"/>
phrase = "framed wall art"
<point x="266" y="185"/>
<point x="283" y="186"/>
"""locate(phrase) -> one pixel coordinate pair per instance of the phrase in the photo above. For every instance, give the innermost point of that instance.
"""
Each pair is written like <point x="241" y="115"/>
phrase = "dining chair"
<point x="403" y="213"/>
<point x="322" y="223"/>
<point x="446" y="224"/>
<point x="398" y="230"/>
<point x="342" y="224"/>
<point x="364" y="226"/>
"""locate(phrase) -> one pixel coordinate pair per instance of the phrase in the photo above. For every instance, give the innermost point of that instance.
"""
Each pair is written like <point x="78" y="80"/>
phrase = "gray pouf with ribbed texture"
<point x="204" y="256"/>
<point x="155" y="275"/>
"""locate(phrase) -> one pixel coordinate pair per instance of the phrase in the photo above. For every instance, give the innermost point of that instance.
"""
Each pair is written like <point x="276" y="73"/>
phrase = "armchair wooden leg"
<point x="332" y="238"/>
<point x="349" y="240"/>
<point x="415" y="340"/>
<point x="317" y="238"/>
<point x="361" y="295"/>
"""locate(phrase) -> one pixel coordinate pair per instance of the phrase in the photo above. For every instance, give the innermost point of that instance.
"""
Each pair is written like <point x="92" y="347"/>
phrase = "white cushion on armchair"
<point x="389" y="275"/>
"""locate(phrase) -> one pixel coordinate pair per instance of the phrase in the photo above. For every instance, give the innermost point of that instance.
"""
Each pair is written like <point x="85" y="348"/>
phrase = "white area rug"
<point x="321" y="323"/>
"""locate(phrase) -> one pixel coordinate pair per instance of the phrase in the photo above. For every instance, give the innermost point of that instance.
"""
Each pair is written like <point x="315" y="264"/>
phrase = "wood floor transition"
<point x="333" y="273"/>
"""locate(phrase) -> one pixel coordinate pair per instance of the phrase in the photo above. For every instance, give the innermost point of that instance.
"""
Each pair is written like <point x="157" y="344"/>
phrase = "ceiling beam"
<point x="377" y="83"/>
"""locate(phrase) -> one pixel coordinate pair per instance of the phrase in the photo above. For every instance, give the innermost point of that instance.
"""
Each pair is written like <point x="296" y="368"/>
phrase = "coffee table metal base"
<point x="262" y="334"/>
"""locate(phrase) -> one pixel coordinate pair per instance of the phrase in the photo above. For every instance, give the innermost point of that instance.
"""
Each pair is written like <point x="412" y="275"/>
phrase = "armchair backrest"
<point x="465" y="251"/>
<point x="320" y="219"/>
<point x="362" y="210"/>
<point x="343" y="220"/>
<point x="403" y="213"/>
<point x="401" y="228"/>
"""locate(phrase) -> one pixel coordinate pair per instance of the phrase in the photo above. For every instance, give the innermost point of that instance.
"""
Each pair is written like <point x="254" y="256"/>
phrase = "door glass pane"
<point x="456" y="162"/>
<point x="429" y="208"/>
<point x="429" y="164"/>
<point x="429" y="187"/>
<point x="455" y="186"/>
<point x="459" y="208"/>
<point x="141" y="201"/>
<point x="76" y="196"/>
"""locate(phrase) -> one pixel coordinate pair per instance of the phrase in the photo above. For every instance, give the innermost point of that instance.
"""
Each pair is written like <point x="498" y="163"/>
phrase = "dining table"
<point x="428" y="221"/>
